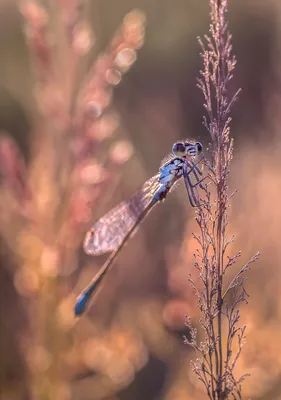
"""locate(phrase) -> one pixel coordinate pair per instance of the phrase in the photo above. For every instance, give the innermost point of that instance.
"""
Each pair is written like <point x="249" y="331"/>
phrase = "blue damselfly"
<point x="113" y="230"/>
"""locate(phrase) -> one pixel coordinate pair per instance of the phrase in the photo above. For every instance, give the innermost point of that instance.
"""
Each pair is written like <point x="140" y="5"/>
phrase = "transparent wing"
<point x="191" y="175"/>
<point x="109" y="231"/>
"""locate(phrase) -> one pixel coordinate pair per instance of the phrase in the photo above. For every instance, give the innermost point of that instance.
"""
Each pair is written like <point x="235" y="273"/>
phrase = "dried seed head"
<point x="34" y="14"/>
<point x="104" y="127"/>
<point x="135" y="17"/>
<point x="50" y="100"/>
<point x="121" y="152"/>
<point x="38" y="358"/>
<point x="49" y="265"/>
<point x="107" y="125"/>
<point x="82" y="39"/>
<point x="134" y="29"/>
<point x="65" y="312"/>
<point x="26" y="281"/>
<point x="97" y="101"/>
<point x="93" y="109"/>
<point x="81" y="206"/>
<point x="125" y="58"/>
<point x="113" y="76"/>
<point x="92" y="173"/>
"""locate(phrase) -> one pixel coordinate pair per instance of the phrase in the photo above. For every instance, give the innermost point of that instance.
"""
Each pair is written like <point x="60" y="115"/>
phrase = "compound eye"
<point x="190" y="149"/>
<point x="199" y="147"/>
<point x="179" y="149"/>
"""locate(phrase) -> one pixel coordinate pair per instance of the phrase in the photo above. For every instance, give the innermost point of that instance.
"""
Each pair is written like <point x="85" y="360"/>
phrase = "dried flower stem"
<point x="215" y="365"/>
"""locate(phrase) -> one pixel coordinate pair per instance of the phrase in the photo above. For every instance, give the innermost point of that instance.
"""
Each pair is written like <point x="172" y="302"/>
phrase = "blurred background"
<point x="129" y="346"/>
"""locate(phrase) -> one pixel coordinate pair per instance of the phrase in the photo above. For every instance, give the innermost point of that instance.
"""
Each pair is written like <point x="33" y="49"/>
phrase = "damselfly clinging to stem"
<point x="112" y="231"/>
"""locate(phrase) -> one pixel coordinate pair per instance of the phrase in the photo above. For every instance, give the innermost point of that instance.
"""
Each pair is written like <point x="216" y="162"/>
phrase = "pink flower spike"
<point x="12" y="169"/>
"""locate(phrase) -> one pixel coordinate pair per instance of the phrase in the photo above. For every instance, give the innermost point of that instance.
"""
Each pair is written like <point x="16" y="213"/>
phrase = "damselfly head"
<point x="193" y="149"/>
<point x="179" y="149"/>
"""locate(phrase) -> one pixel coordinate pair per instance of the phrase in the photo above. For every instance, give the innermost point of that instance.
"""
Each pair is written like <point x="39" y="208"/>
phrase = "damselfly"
<point x="112" y="231"/>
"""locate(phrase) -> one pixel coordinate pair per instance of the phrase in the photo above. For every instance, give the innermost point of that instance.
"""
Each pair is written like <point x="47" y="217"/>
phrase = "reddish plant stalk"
<point x="215" y="364"/>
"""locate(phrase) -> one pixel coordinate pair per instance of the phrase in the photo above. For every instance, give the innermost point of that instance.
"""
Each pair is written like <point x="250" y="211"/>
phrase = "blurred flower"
<point x="13" y="170"/>
<point x="26" y="281"/>
<point x="39" y="358"/>
<point x="125" y="58"/>
<point x="50" y="259"/>
<point x="120" y="152"/>
<point x="82" y="39"/>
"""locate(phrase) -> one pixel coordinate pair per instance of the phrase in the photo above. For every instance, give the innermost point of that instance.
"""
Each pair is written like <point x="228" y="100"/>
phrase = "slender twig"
<point x="215" y="366"/>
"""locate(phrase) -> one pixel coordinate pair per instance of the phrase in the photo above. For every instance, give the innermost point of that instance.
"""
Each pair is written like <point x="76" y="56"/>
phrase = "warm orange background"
<point x="132" y="337"/>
